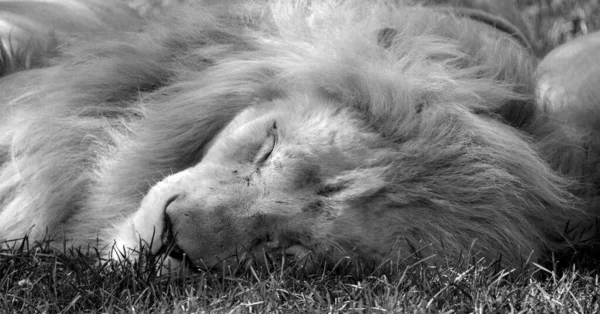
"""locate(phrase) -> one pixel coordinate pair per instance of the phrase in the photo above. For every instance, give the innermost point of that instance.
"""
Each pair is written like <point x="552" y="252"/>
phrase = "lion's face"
<point x="282" y="177"/>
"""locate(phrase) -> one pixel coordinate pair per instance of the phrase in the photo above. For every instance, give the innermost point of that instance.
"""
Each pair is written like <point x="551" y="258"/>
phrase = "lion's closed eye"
<point x="265" y="150"/>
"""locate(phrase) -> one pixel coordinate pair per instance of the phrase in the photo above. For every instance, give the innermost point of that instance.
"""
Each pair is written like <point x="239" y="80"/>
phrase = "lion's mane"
<point x="83" y="141"/>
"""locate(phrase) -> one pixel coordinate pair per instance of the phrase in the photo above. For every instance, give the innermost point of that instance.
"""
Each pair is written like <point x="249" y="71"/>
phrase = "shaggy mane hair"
<point x="82" y="142"/>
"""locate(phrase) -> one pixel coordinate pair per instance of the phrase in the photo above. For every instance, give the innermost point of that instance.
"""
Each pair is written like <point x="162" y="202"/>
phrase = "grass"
<point x="41" y="279"/>
<point x="553" y="22"/>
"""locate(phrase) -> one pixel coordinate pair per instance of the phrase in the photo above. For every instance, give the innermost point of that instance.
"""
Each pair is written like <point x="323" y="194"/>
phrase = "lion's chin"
<point x="296" y="256"/>
<point x="303" y="257"/>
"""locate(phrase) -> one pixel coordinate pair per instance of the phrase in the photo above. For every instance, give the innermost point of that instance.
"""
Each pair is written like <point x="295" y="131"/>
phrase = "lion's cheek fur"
<point x="404" y="235"/>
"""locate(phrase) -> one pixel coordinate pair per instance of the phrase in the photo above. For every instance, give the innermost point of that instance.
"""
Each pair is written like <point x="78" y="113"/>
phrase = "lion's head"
<point x="299" y="175"/>
<point x="289" y="173"/>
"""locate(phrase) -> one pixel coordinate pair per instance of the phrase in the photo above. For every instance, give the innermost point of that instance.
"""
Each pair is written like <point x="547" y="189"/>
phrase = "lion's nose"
<point x="205" y="229"/>
<point x="169" y="237"/>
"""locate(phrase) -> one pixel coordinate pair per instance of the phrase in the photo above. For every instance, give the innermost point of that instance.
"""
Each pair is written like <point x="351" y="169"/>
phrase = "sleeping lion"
<point x="331" y="130"/>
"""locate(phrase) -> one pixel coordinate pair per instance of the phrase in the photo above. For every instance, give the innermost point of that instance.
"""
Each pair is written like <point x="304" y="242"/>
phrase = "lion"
<point x="330" y="130"/>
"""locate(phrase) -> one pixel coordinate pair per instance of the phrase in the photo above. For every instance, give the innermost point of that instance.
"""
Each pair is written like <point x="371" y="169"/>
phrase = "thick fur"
<point x="335" y="128"/>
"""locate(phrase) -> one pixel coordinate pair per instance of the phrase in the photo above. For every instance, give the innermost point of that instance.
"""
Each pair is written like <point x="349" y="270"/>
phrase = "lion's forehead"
<point x="300" y="122"/>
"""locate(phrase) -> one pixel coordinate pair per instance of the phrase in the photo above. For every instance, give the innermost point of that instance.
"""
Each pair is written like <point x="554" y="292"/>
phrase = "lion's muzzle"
<point x="224" y="232"/>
